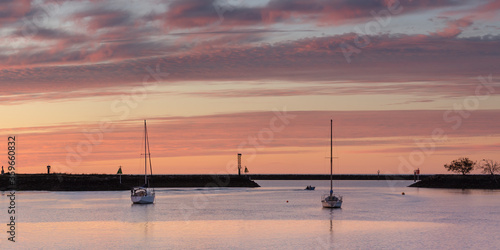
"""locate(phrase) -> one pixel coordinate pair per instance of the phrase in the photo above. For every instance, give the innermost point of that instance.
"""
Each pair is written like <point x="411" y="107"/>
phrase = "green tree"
<point x="461" y="165"/>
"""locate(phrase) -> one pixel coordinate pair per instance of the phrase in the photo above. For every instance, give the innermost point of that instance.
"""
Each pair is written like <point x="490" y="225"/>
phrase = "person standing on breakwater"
<point x="3" y="172"/>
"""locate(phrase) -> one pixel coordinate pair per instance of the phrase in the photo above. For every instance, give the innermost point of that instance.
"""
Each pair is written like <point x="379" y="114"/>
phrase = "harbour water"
<point x="278" y="215"/>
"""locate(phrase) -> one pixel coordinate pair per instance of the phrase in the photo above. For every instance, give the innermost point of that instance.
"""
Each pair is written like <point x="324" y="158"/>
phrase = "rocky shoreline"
<point x="103" y="182"/>
<point x="335" y="176"/>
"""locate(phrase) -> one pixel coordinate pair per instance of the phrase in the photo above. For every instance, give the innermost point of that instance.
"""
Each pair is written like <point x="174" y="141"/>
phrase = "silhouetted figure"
<point x="48" y="169"/>
<point x="2" y="171"/>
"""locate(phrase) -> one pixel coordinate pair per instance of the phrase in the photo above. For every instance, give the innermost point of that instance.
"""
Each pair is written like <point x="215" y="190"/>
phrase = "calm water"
<point x="279" y="215"/>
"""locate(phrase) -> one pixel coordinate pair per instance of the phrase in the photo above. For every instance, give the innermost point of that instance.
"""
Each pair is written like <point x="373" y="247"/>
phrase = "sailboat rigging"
<point x="331" y="200"/>
<point x="144" y="194"/>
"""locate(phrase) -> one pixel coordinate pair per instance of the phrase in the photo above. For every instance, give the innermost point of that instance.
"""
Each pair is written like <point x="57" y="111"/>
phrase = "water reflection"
<point x="326" y="241"/>
<point x="142" y="213"/>
<point x="375" y="217"/>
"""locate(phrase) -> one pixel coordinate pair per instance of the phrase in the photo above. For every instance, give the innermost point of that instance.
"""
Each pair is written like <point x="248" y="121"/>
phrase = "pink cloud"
<point x="485" y="10"/>
<point x="12" y="10"/>
<point x="454" y="28"/>
<point x="219" y="135"/>
<point x="388" y="58"/>
<point x="420" y="89"/>
<point x="200" y="13"/>
<point x="116" y="49"/>
<point x="489" y="8"/>
<point x="96" y="19"/>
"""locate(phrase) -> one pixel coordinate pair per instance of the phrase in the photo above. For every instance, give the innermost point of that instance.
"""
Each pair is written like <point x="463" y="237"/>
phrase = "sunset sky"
<point x="409" y="84"/>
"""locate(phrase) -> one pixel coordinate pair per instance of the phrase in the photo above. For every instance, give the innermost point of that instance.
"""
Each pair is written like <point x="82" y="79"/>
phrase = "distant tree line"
<point x="464" y="165"/>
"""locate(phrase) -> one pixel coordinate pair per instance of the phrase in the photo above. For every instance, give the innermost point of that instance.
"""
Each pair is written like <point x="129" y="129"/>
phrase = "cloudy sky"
<point x="409" y="84"/>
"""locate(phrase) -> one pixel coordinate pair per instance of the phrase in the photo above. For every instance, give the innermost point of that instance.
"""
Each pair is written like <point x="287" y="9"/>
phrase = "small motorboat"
<point x="310" y="187"/>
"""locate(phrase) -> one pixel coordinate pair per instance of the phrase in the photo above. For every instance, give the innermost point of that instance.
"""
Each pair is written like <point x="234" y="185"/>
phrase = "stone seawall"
<point x="103" y="182"/>
<point x="460" y="181"/>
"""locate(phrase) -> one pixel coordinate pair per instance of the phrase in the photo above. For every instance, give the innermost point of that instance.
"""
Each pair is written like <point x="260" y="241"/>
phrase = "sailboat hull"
<point x="143" y="200"/>
<point x="142" y="196"/>
<point x="331" y="204"/>
<point x="333" y="201"/>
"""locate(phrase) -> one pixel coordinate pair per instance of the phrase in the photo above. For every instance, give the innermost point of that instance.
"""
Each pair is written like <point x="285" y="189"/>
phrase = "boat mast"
<point x="331" y="157"/>
<point x="149" y="157"/>
<point x="145" y="154"/>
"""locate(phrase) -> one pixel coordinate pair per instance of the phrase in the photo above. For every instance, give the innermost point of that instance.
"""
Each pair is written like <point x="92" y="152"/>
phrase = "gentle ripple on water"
<point x="280" y="215"/>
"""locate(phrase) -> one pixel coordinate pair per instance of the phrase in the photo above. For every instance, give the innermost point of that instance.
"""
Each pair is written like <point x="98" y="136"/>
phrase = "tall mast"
<point x="149" y="157"/>
<point x="331" y="157"/>
<point x="145" y="153"/>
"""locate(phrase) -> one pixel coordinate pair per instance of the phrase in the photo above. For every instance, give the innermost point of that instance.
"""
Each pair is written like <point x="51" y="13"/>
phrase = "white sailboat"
<point x="331" y="200"/>
<point x="144" y="194"/>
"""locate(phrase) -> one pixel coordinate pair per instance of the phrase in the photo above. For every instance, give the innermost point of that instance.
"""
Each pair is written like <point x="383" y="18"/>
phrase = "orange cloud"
<point x="217" y="136"/>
